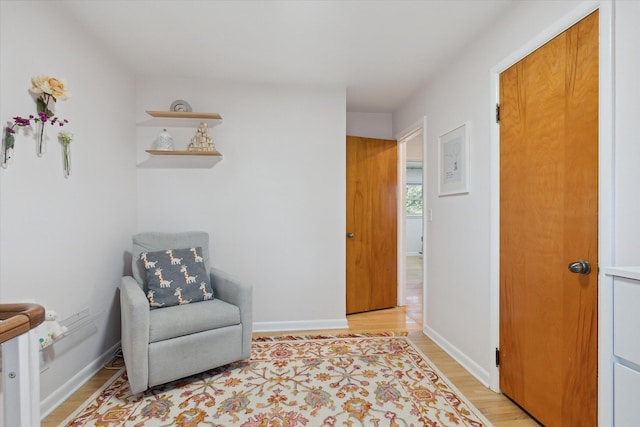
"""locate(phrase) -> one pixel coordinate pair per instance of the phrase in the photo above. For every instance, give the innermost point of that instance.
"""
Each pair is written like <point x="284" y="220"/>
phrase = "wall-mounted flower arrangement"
<point x="48" y="91"/>
<point x="65" y="139"/>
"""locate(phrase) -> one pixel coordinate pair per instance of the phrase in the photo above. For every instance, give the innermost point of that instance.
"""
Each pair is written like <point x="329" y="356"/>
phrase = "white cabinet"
<point x="627" y="396"/>
<point x="626" y="320"/>
<point x="626" y="346"/>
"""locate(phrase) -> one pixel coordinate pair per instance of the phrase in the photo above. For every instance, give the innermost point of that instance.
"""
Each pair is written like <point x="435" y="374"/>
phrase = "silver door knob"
<point x="580" y="267"/>
<point x="350" y="235"/>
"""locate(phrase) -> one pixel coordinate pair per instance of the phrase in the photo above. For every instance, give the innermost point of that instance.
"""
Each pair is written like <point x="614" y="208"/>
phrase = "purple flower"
<point x="20" y="121"/>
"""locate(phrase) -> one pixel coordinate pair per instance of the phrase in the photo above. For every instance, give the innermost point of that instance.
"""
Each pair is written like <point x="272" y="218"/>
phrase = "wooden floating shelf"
<point x="181" y="119"/>
<point x="183" y="153"/>
<point x="181" y="159"/>
<point x="183" y="115"/>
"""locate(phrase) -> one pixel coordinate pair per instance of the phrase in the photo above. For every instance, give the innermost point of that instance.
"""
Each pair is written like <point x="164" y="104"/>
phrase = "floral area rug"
<point x="320" y="381"/>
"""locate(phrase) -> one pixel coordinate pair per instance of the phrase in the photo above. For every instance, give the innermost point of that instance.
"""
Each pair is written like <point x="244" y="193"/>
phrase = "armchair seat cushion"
<point x="179" y="320"/>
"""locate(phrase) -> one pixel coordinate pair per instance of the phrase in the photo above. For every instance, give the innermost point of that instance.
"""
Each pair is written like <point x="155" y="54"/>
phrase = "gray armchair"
<point x="169" y="343"/>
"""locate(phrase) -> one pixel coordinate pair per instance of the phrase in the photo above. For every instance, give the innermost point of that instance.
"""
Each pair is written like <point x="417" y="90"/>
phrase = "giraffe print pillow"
<point x="176" y="276"/>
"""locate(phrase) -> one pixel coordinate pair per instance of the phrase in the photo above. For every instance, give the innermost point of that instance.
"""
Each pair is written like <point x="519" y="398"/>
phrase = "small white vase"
<point x="66" y="159"/>
<point x="164" y="141"/>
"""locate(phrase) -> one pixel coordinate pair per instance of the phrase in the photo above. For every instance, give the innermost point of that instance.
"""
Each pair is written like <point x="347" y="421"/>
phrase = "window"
<point x="414" y="199"/>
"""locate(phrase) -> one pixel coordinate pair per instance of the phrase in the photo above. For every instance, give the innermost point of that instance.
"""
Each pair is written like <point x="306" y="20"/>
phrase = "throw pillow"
<point x="176" y="276"/>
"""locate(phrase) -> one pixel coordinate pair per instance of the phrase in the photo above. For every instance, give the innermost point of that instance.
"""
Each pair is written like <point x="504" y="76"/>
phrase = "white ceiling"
<point x="380" y="50"/>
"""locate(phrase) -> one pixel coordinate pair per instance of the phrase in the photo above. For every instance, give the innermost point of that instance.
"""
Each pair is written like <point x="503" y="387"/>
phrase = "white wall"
<point x="62" y="240"/>
<point x="627" y="143"/>
<point x="274" y="206"/>
<point x="370" y="125"/>
<point x="458" y="300"/>
<point x="415" y="149"/>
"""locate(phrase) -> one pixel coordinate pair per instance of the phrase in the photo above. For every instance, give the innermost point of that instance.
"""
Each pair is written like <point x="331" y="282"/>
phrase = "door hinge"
<point x="497" y="356"/>
<point x="497" y="113"/>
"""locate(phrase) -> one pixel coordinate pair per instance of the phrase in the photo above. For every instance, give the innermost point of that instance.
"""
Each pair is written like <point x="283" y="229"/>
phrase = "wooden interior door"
<point x="549" y="219"/>
<point x="372" y="224"/>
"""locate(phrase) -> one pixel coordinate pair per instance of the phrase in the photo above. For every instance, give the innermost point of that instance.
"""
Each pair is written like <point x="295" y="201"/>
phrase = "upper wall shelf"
<point x="181" y="119"/>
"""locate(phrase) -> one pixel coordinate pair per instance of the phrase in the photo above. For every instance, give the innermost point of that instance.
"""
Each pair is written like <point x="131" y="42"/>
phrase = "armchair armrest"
<point x="134" y="312"/>
<point x="233" y="291"/>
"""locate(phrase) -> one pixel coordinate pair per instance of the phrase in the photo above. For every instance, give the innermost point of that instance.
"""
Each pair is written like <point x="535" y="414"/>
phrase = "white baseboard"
<point x="474" y="369"/>
<point x="300" y="325"/>
<point x="51" y="402"/>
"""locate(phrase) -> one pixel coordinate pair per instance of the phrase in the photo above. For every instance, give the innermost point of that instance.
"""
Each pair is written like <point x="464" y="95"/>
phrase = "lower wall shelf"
<point x="181" y="159"/>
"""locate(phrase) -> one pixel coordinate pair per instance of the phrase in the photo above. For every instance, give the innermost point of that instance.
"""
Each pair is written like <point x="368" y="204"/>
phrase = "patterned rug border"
<point x="296" y="337"/>
<point x="451" y="385"/>
<point x="283" y="338"/>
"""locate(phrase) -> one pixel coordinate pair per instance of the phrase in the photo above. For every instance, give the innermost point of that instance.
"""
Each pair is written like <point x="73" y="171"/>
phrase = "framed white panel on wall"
<point x="453" y="161"/>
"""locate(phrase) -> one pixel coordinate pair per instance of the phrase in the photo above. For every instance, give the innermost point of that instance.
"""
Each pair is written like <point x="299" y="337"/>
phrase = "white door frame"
<point x="605" y="193"/>
<point x="419" y="127"/>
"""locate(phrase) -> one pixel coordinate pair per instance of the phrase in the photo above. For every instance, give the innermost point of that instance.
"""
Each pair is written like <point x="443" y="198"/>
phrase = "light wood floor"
<point x="495" y="407"/>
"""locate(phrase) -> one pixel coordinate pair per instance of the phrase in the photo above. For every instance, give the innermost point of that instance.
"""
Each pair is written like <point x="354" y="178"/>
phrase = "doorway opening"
<point x="411" y="221"/>
<point x="414" y="240"/>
